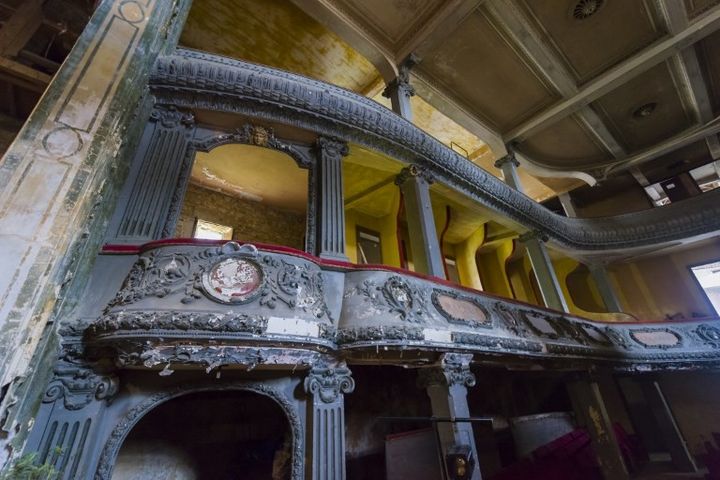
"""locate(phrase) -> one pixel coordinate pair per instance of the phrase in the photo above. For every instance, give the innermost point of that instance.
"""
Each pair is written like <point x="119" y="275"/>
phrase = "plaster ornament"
<point x="233" y="280"/>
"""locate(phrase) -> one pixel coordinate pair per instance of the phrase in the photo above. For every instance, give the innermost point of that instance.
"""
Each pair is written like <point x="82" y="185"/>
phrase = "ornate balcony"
<point x="212" y="304"/>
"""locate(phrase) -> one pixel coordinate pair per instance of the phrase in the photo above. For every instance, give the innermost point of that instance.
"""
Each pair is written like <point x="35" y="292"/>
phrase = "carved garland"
<point x="396" y="296"/>
<point x="126" y="424"/>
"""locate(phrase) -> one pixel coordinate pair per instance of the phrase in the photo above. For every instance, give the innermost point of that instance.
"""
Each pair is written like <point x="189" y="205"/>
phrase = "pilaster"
<point x="159" y="173"/>
<point x="446" y="385"/>
<point x="414" y="182"/>
<point x="331" y="207"/>
<point x="544" y="272"/>
<point x="326" y="385"/>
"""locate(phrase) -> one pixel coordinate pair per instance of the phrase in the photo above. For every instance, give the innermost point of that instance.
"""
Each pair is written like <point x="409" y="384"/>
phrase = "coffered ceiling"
<point x="591" y="86"/>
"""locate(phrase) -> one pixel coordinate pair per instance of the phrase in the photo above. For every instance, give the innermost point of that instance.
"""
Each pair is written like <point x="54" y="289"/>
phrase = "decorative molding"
<point x="346" y="336"/>
<point x="414" y="171"/>
<point x="171" y="118"/>
<point x="655" y="331"/>
<point x="200" y="80"/>
<point x="396" y="296"/>
<point x="178" y="320"/>
<point x="132" y="417"/>
<point x="454" y="369"/>
<point x="328" y="382"/>
<point x="496" y="343"/>
<point x="709" y="334"/>
<point x="457" y="311"/>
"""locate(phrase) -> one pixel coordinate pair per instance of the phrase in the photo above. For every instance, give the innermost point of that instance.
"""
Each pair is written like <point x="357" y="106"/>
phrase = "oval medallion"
<point x="233" y="280"/>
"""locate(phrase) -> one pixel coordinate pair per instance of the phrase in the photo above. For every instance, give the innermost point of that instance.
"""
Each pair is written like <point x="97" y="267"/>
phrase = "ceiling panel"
<point x="565" y="144"/>
<point x="391" y="21"/>
<point x="696" y="8"/>
<point x="645" y="110"/>
<point x="709" y="55"/>
<point x="478" y="67"/>
<point x="590" y="45"/>
<point x="278" y="34"/>
<point x="679" y="161"/>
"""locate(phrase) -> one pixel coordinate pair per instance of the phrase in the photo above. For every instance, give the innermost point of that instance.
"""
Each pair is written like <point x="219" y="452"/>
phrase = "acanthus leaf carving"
<point x="328" y="382"/>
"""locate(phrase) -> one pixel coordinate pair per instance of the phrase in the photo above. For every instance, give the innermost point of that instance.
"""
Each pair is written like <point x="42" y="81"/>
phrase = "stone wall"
<point x="251" y="221"/>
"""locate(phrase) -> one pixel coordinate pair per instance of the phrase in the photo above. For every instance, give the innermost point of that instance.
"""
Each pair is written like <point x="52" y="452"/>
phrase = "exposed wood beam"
<point x="437" y="28"/>
<point x="619" y="74"/>
<point x="23" y="76"/>
<point x="680" y="140"/>
<point x="20" y="27"/>
<point x="526" y="38"/>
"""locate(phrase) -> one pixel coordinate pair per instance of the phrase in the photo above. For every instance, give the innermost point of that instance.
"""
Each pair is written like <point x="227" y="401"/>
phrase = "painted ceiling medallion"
<point x="587" y="8"/>
<point x="644" y="111"/>
<point x="233" y="280"/>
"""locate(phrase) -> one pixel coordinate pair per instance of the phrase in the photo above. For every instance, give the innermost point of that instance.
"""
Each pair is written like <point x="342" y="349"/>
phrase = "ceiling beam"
<point x="23" y="76"/>
<point x="437" y="28"/>
<point x="621" y="73"/>
<point x="682" y="139"/>
<point x="20" y="27"/>
<point x="516" y="25"/>
<point x="344" y="26"/>
<point x="457" y="113"/>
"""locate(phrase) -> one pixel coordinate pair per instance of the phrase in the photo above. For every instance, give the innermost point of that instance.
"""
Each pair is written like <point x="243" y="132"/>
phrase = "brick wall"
<point x="251" y="221"/>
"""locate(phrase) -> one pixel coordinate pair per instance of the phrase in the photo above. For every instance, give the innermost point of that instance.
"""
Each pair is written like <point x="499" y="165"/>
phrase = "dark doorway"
<point x="210" y="435"/>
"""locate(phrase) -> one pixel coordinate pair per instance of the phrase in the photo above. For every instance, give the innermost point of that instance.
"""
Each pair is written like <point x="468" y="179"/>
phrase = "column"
<point x="544" y="271"/>
<point x="330" y="208"/>
<point x="605" y="287"/>
<point x="508" y="165"/>
<point x="151" y="199"/>
<point x="62" y="169"/>
<point x="664" y="419"/>
<point x="414" y="182"/>
<point x="399" y="90"/>
<point x="591" y="413"/>
<point x="567" y="204"/>
<point x="326" y="385"/>
<point x="446" y="385"/>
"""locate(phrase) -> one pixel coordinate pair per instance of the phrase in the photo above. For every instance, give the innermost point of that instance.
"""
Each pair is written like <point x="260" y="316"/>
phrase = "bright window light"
<point x="212" y="231"/>
<point x="708" y="276"/>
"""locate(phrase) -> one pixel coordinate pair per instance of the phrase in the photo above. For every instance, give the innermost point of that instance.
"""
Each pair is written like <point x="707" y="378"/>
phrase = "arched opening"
<point x="246" y="193"/>
<point x="218" y="435"/>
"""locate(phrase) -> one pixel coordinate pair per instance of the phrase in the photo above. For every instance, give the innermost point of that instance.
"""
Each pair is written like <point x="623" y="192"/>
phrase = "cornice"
<point x="198" y="80"/>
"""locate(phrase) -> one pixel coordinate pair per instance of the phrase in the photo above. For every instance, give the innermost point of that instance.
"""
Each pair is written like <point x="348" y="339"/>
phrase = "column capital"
<point x="507" y="159"/>
<point x="413" y="171"/>
<point x="401" y="83"/>
<point x="453" y="369"/>
<point x="170" y="117"/>
<point x="328" y="382"/>
<point x="332" y="147"/>
<point x="533" y="235"/>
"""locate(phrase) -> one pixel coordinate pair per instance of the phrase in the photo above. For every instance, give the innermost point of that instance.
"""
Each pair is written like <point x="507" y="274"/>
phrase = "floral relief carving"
<point x="397" y="296"/>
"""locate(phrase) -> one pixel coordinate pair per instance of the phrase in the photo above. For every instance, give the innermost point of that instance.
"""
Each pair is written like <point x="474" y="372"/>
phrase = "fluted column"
<point x="446" y="385"/>
<point x="326" y="385"/>
<point x="151" y="198"/>
<point x="414" y="182"/>
<point x="550" y="290"/>
<point x="399" y="91"/>
<point x="330" y="208"/>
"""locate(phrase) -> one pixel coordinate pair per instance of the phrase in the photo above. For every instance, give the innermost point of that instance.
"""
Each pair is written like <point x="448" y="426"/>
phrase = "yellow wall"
<point x="491" y="262"/>
<point x="662" y="285"/>
<point x="386" y="226"/>
<point x="465" y="258"/>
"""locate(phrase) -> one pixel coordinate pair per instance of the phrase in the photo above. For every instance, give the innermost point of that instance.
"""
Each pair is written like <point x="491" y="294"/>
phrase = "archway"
<point x="217" y="434"/>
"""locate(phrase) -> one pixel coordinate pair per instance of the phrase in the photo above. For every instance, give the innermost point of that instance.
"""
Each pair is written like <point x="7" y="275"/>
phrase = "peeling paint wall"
<point x="251" y="221"/>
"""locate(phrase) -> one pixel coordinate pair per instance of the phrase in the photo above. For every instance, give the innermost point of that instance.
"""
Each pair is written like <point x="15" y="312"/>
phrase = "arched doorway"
<point x="219" y="435"/>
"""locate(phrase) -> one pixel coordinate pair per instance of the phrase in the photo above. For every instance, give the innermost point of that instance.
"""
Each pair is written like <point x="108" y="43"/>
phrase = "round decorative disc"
<point x="234" y="280"/>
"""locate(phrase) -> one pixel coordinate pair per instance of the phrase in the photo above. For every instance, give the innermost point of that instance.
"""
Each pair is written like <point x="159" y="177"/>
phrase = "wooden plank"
<point x="17" y="31"/>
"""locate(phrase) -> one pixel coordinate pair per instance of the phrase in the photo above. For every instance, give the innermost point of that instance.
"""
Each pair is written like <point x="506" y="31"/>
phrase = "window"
<point x="368" y="247"/>
<point x="451" y="269"/>
<point x="708" y="276"/>
<point x="212" y="231"/>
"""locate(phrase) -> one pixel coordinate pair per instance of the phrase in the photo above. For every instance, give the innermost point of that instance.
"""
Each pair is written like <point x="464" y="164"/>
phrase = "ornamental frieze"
<point x="395" y="296"/>
<point x="228" y="274"/>
<point x="461" y="309"/>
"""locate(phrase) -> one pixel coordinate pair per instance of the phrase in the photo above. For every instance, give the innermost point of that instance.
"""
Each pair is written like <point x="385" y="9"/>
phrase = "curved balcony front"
<point x="214" y="304"/>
